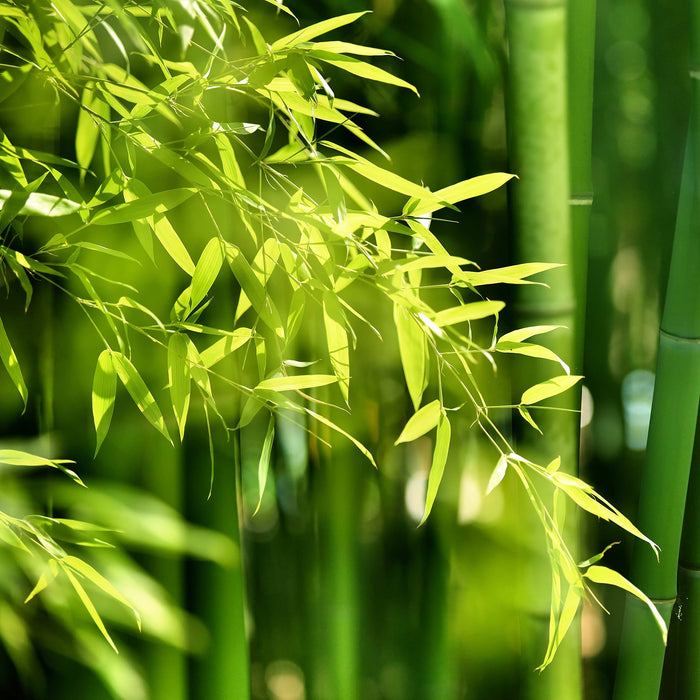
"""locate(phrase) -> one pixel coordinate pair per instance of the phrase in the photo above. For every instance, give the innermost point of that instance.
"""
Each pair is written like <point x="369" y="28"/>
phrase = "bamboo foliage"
<point x="281" y="220"/>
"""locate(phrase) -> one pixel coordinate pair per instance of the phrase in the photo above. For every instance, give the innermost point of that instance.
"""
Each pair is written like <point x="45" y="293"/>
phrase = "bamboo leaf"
<point x="513" y="274"/>
<point x="474" y="187"/>
<point x="143" y="207"/>
<point x="104" y="388"/>
<point x="566" y="617"/>
<point x="89" y="606"/>
<point x="9" y="359"/>
<point x="83" y="568"/>
<point x="421" y="422"/>
<point x="467" y="312"/>
<point x="337" y="339"/>
<point x="264" y="463"/>
<point x="304" y="381"/>
<point x="413" y="348"/>
<point x="25" y="459"/>
<point x="518" y="336"/>
<point x="437" y="468"/>
<point x="134" y="384"/>
<point x="497" y="475"/>
<point x="531" y="350"/>
<point x="179" y="378"/>
<point x="206" y="271"/>
<point x="322" y="419"/>
<point x="340" y="47"/>
<point x="225" y="346"/>
<point x="546" y="390"/>
<point x="44" y="580"/>
<point x="38" y="204"/>
<point x="360" y="68"/>
<point x="602" y="574"/>
<point x="314" y="30"/>
<point x="528" y="417"/>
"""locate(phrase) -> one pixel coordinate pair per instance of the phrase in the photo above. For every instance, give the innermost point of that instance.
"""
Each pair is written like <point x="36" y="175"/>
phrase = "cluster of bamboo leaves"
<point x="229" y="156"/>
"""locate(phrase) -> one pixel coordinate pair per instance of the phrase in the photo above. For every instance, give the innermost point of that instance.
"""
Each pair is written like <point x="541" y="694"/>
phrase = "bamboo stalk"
<point x="538" y="133"/>
<point x="671" y="435"/>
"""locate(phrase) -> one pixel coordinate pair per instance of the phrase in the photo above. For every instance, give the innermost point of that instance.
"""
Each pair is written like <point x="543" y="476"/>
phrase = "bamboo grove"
<point x="184" y="185"/>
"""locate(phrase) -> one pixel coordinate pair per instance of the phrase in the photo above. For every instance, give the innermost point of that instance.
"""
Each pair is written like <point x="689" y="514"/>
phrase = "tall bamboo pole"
<point x="538" y="133"/>
<point x="672" y="430"/>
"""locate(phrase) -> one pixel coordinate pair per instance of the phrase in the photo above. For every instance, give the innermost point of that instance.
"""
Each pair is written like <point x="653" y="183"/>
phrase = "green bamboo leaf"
<point x="518" y="336"/>
<point x="314" y="30"/>
<point x="38" y="204"/>
<point x="421" y="422"/>
<point x="206" y="271"/>
<point x="430" y="261"/>
<point x="131" y="379"/>
<point x="360" y="68"/>
<point x="560" y="628"/>
<point x="225" y="346"/>
<point x="264" y="463"/>
<point x="83" y="568"/>
<point x="467" y="312"/>
<point x="104" y="389"/>
<point x="437" y="468"/>
<point x="25" y="459"/>
<point x="527" y="416"/>
<point x="9" y="359"/>
<point x="179" y="377"/>
<point x="531" y="350"/>
<point x="87" y="132"/>
<point x="513" y="274"/>
<point x="264" y="264"/>
<point x="340" y="47"/>
<point x="143" y="207"/>
<point x="300" y="75"/>
<point x="326" y="421"/>
<point x="44" y="580"/>
<point x="413" y="348"/>
<point x="552" y="387"/>
<point x="497" y="475"/>
<point x="602" y="574"/>
<point x="335" y="324"/>
<point x="474" y="187"/>
<point x="304" y="381"/>
<point x="89" y="606"/>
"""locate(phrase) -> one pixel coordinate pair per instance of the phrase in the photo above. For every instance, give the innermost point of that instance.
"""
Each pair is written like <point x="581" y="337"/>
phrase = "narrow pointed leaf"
<point x="602" y="574"/>
<point x="467" y="312"/>
<point x="421" y="422"/>
<point x="38" y="204"/>
<point x="264" y="463"/>
<point x="437" y="468"/>
<point x="104" y="388"/>
<point x="413" y="348"/>
<point x="134" y="384"/>
<point x="142" y="208"/>
<point x="206" y="271"/>
<point x="314" y="30"/>
<point x="337" y="340"/>
<point x="552" y="387"/>
<point x="179" y="377"/>
<point x="9" y="359"/>
<point x="303" y="381"/>
<point x="497" y="475"/>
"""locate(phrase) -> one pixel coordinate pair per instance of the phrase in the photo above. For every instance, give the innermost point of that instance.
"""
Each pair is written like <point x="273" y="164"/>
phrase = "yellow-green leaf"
<point x="134" y="384"/>
<point x="206" y="271"/>
<point x="303" y="381"/>
<point x="552" y="387"/>
<point x="421" y="422"/>
<point x="467" y="312"/>
<point x="314" y="30"/>
<point x="104" y="388"/>
<point x="413" y="348"/>
<point x="9" y="359"/>
<point x="264" y="462"/>
<point x="337" y="339"/>
<point x="437" y="467"/>
<point x="143" y="207"/>
<point x="179" y="377"/>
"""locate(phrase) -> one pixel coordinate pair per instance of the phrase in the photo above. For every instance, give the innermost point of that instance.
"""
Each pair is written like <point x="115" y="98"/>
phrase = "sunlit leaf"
<point x="467" y="312"/>
<point x="421" y="422"/>
<point x="134" y="384"/>
<point x="206" y="271"/>
<point x="437" y="467"/>
<point x="143" y="207"/>
<point x="179" y="378"/>
<point x="38" y="204"/>
<point x="552" y="387"/>
<point x="602" y="574"/>
<point x="413" y="348"/>
<point x="104" y="388"/>
<point x="9" y="359"/>
<point x="497" y="474"/>
<point x="264" y="462"/>
<point x="303" y="381"/>
<point x="314" y="30"/>
<point x="337" y="340"/>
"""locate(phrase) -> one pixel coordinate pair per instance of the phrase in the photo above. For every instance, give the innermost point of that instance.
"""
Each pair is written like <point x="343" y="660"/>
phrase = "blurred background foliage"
<point x="340" y="582"/>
